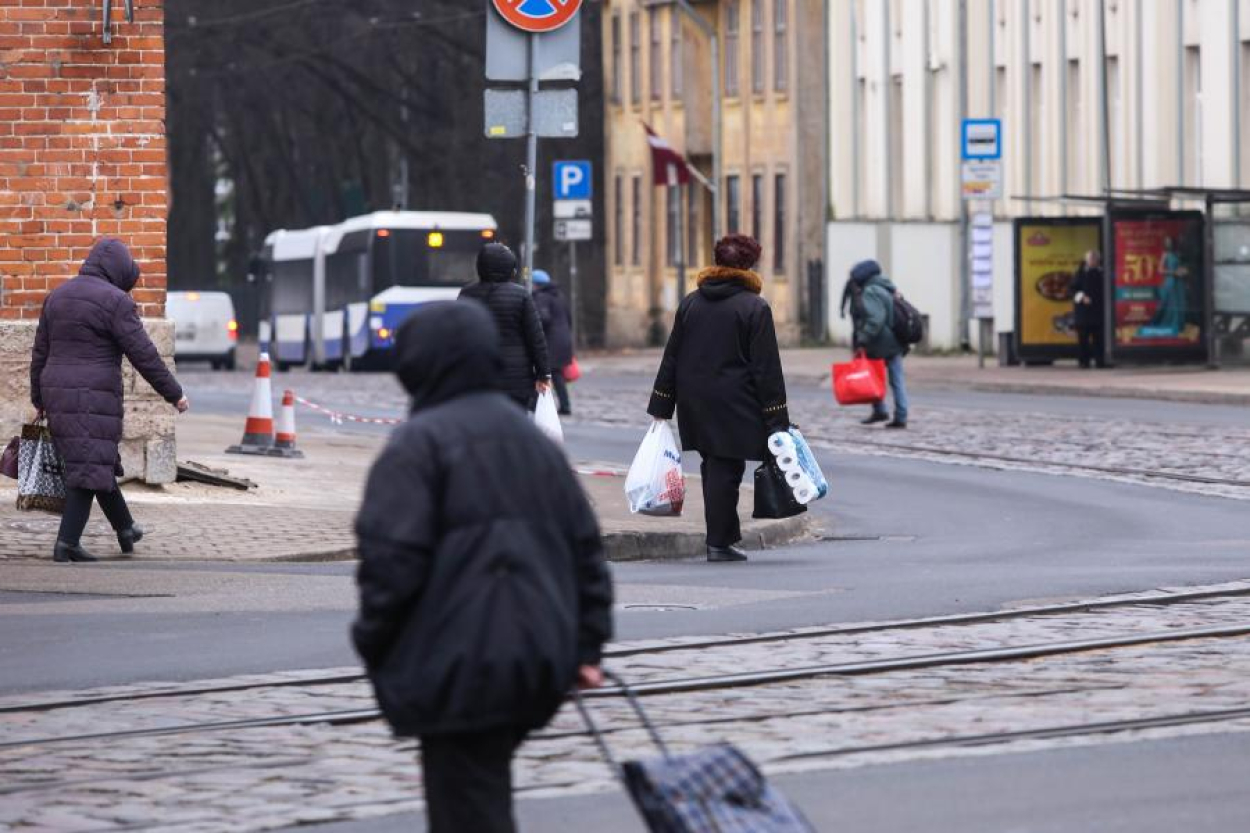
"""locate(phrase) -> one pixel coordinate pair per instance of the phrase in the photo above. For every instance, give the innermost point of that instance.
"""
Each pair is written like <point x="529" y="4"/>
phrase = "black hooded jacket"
<point x="482" y="579"/>
<point x="521" y="341"/>
<point x="721" y="370"/>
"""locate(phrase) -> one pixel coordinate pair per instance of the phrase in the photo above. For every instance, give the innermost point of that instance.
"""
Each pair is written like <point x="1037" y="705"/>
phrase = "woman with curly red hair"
<point x="721" y="373"/>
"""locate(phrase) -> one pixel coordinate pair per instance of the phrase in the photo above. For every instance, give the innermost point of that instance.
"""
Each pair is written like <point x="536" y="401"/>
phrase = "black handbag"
<point x="773" y="496"/>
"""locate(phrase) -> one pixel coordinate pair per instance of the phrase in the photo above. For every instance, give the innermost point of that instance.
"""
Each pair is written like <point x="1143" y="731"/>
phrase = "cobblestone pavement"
<point x="264" y="778"/>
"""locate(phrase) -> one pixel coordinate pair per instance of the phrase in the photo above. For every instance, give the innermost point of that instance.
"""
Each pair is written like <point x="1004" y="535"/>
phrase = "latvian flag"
<point x="668" y="167"/>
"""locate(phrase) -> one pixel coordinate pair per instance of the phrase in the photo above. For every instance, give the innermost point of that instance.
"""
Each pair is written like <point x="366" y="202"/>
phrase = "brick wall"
<point x="82" y="145"/>
<point x="82" y="156"/>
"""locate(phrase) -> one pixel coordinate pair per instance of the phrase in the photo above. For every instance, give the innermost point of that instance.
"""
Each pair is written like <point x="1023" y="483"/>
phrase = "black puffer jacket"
<point x="721" y="370"/>
<point x="482" y="579"/>
<point x="557" y="322"/>
<point x="522" y="345"/>
<point x="87" y="325"/>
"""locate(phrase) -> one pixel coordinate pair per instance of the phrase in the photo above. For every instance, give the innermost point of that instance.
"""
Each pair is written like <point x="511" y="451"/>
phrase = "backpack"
<point x="907" y="324"/>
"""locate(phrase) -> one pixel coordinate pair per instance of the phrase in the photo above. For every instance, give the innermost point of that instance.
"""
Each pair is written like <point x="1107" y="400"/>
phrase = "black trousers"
<point x="78" y="512"/>
<point x="468" y="781"/>
<point x="1089" y="345"/>
<point x="722" y="478"/>
<point x="562" y="390"/>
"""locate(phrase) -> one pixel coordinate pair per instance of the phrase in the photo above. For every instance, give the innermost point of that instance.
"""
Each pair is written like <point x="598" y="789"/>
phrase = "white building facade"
<point x="903" y="73"/>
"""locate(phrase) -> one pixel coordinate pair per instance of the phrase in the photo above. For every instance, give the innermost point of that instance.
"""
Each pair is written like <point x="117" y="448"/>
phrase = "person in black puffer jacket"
<point x="484" y="593"/>
<point x="526" y="368"/>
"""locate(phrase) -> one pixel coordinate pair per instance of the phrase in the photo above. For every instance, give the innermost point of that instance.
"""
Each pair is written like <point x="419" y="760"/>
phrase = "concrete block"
<point x="133" y="453"/>
<point x="17" y="338"/>
<point x="162" y="461"/>
<point x="147" y="420"/>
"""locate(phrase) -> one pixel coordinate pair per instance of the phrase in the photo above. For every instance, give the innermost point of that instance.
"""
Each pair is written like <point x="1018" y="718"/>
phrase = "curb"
<point x="676" y="546"/>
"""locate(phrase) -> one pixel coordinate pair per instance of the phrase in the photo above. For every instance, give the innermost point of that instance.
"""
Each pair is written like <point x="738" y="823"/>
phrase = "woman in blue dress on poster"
<point x="1170" y="315"/>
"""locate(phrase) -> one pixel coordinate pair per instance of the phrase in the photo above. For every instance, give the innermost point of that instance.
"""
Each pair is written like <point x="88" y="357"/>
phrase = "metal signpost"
<point x="981" y="150"/>
<point x="573" y="211"/>
<point x="532" y="41"/>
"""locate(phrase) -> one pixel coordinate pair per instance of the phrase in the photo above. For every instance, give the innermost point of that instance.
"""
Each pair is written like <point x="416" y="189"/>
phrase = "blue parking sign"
<point x="572" y="180"/>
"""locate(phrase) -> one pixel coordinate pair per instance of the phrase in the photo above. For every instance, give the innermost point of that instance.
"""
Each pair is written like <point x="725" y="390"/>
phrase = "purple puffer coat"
<point x="87" y="325"/>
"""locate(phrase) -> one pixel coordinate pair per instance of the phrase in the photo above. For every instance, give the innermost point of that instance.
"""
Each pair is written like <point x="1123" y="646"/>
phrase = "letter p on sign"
<point x="572" y="180"/>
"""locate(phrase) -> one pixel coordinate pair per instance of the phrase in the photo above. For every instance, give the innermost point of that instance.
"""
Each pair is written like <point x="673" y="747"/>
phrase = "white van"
<point x="205" y="328"/>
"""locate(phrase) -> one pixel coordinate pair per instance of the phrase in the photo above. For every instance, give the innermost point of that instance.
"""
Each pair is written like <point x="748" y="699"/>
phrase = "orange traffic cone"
<point x="258" y="432"/>
<point x="284" y="441"/>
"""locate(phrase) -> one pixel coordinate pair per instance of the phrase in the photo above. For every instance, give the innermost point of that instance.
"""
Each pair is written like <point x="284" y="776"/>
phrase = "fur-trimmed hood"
<point x="714" y="280"/>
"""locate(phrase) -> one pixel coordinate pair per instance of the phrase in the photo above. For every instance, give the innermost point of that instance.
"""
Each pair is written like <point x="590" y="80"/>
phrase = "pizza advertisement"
<point x="1048" y="256"/>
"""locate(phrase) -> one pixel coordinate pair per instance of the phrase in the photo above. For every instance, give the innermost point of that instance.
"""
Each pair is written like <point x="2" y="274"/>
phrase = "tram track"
<point x="1151" y="600"/>
<point x="720" y="682"/>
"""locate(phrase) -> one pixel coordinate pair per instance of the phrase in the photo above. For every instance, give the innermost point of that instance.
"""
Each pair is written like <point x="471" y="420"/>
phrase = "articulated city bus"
<point x="337" y="293"/>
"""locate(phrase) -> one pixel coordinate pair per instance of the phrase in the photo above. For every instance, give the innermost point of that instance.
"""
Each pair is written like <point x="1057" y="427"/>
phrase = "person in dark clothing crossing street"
<point x="86" y="326"/>
<point x="484" y="593"/>
<point x="1086" y="290"/>
<point x="557" y="320"/>
<point x="526" y="368"/>
<point x="870" y="296"/>
<point x="721" y="373"/>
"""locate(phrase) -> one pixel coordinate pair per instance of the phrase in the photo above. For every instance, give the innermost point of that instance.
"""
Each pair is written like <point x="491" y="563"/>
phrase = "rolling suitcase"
<point x="716" y="789"/>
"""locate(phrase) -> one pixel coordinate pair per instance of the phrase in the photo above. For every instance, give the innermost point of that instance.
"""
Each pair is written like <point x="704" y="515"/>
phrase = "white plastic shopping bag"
<point x="547" y="418"/>
<point x="655" y="485"/>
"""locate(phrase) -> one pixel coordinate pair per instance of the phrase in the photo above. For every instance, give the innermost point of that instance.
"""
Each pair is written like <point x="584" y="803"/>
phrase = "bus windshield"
<point x="422" y="257"/>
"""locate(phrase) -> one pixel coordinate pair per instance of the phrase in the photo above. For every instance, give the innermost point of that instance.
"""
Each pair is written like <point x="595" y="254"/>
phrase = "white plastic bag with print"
<point x="655" y="485"/>
<point x="547" y="418"/>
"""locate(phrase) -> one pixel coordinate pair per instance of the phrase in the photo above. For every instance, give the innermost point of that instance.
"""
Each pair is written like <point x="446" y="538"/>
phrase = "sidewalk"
<point x="1193" y="383"/>
<point x="303" y="509"/>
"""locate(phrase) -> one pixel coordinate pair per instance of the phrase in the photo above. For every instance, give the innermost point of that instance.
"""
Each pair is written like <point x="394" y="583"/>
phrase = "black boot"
<point x="730" y="553"/>
<point x="127" y="538"/>
<point x="65" y="553"/>
<point x="875" y="418"/>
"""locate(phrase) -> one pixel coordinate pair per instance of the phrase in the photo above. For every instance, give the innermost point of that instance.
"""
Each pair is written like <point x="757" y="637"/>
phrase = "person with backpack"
<point x="885" y="326"/>
<point x="485" y="597"/>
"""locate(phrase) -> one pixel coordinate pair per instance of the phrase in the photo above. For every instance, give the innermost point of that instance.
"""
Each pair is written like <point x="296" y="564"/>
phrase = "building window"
<point x="636" y="231"/>
<point x="757" y="46"/>
<point x="731" y="49"/>
<point x="779" y="223"/>
<point x="1192" y="80"/>
<point x="616" y="59"/>
<point x="692" y="225"/>
<point x="781" y="46"/>
<point x="1037" y="116"/>
<point x="677" y="54"/>
<point x="733" y="205"/>
<point x="1077" y="140"/>
<point x="757" y="206"/>
<point x="671" y="221"/>
<point x="635" y="59"/>
<point x="618" y="222"/>
<point x="897" y="168"/>
<point x="655" y="56"/>
<point x="1118" y="163"/>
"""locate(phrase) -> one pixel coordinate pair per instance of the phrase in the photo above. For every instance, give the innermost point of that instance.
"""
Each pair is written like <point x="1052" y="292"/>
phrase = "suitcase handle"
<point x="600" y="740"/>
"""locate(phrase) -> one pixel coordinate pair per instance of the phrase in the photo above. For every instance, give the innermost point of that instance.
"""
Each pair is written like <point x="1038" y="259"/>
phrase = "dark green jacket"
<point x="873" y="316"/>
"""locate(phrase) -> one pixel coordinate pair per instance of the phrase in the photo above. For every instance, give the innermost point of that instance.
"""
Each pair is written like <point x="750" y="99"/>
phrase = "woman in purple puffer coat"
<point x="86" y="326"/>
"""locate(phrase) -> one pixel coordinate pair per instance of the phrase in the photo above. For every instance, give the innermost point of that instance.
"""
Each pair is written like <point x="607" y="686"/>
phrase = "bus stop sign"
<point x="537" y="16"/>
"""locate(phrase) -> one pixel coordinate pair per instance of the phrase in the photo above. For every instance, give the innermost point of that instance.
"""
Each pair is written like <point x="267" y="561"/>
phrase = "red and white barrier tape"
<point x="338" y="417"/>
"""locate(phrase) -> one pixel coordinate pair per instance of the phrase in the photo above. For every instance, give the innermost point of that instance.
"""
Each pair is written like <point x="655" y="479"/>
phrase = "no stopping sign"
<point x="537" y="16"/>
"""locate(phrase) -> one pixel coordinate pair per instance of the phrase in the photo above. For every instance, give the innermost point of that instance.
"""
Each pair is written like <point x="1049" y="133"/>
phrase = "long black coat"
<point x="86" y="326"/>
<point x="721" y="370"/>
<point x="482" y="579"/>
<point x="522" y="345"/>
<point x="557" y="322"/>
<point x="1090" y="281"/>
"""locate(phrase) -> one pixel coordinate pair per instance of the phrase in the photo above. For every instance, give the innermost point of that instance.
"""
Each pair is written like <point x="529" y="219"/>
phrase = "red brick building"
<point x="82" y="156"/>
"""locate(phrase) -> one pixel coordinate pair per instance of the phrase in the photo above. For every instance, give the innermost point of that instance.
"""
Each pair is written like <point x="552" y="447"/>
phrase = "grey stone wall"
<point x="148" y="446"/>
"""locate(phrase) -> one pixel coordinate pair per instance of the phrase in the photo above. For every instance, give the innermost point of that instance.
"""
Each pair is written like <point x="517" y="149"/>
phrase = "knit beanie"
<point x="496" y="262"/>
<point x="737" y="251"/>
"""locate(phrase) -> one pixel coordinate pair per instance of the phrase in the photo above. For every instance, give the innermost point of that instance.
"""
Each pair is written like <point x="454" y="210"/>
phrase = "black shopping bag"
<point x="773" y="496"/>
<point x="40" y="471"/>
<point x="716" y="789"/>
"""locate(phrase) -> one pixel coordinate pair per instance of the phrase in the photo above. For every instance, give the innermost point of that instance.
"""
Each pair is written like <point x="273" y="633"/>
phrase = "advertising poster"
<point x="1048" y="252"/>
<point x="1158" y="280"/>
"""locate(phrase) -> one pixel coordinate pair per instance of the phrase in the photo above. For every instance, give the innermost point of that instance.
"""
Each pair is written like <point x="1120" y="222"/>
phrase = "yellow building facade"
<point x="658" y="71"/>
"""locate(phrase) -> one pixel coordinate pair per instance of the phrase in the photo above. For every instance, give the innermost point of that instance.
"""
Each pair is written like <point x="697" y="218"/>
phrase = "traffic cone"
<point x="258" y="432"/>
<point x="284" y="440"/>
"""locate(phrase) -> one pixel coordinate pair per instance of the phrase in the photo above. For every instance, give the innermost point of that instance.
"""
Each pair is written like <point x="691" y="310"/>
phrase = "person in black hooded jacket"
<point x="721" y="373"/>
<point x="526" y="368"/>
<point x="484" y="594"/>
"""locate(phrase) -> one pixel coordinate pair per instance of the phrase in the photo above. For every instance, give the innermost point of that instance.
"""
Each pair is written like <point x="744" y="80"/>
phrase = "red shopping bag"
<point x="861" y="381"/>
<point x="572" y="372"/>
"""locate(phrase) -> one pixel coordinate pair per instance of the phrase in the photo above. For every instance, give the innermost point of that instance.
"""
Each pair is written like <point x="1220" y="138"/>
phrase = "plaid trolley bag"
<point x="716" y="789"/>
